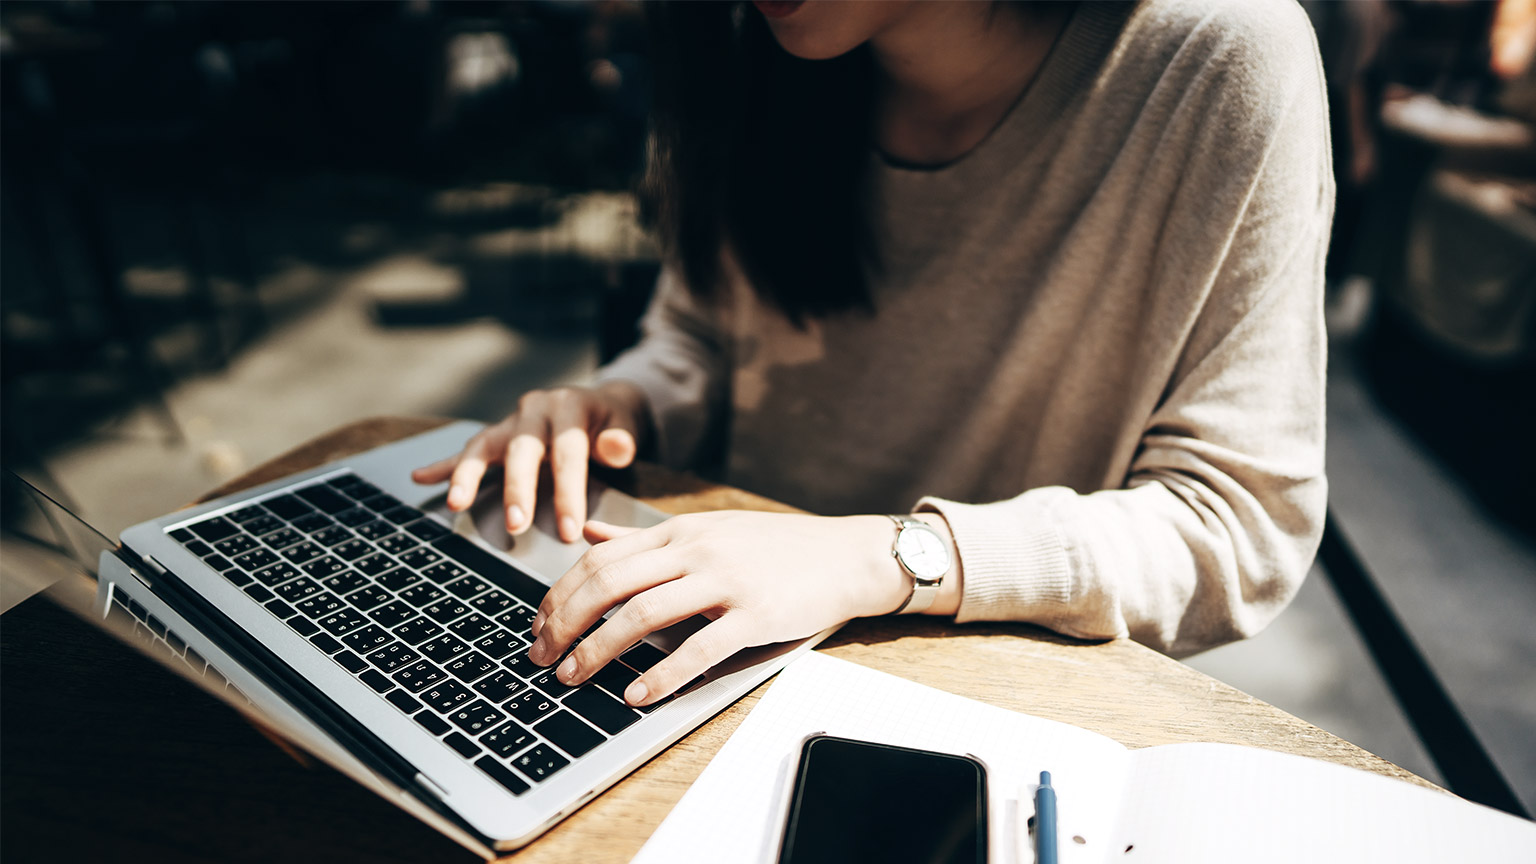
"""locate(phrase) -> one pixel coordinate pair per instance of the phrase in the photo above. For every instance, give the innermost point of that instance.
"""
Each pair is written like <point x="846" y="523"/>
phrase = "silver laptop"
<point x="345" y="608"/>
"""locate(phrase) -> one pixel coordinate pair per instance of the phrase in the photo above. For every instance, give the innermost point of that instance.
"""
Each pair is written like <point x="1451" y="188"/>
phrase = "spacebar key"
<point x="523" y="587"/>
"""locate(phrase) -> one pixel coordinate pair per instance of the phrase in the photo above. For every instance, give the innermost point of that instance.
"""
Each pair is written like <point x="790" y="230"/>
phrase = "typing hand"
<point x="567" y="426"/>
<point x="760" y="577"/>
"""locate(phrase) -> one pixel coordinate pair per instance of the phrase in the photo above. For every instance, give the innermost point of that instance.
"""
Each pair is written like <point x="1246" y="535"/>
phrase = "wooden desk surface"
<point x="1119" y="689"/>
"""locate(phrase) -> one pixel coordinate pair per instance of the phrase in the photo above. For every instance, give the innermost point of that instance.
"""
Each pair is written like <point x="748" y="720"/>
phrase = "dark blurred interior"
<point x="198" y="196"/>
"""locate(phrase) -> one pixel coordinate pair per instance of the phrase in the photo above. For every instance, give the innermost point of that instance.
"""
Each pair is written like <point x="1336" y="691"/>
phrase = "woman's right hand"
<point x="567" y="426"/>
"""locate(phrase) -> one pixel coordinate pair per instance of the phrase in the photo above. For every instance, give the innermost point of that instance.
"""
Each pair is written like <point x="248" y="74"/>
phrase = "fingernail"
<point x="567" y="671"/>
<point x="538" y="624"/>
<point x="514" y="517"/>
<point x="569" y="530"/>
<point x="635" y="693"/>
<point x="537" y="653"/>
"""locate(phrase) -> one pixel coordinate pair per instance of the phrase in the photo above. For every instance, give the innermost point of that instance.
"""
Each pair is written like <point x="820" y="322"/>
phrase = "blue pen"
<point x="1045" y="821"/>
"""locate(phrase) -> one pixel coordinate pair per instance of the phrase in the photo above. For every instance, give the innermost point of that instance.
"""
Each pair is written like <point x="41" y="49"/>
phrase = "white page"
<point x="733" y="812"/>
<point x="1194" y="803"/>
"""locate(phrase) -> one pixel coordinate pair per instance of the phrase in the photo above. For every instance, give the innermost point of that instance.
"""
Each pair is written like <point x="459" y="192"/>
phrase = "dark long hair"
<point x="760" y="153"/>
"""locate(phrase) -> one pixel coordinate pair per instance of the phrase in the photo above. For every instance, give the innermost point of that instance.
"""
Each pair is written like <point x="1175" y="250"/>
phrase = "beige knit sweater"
<point x="1098" y="350"/>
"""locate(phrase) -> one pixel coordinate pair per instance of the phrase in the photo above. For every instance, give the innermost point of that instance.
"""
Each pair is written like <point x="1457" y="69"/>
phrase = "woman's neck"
<point x="951" y="72"/>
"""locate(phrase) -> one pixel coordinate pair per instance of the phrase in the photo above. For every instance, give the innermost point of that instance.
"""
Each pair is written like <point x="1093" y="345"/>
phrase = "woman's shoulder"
<point x="1254" y="43"/>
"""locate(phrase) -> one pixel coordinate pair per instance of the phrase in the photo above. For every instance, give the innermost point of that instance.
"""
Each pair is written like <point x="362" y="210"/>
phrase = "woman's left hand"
<point x="760" y="578"/>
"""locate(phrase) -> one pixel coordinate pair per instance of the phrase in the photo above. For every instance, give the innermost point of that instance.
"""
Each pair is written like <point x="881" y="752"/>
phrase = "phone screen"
<point x="859" y="801"/>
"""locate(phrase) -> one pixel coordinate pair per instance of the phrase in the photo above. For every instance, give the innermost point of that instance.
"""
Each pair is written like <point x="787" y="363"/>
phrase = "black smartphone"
<point x="861" y="801"/>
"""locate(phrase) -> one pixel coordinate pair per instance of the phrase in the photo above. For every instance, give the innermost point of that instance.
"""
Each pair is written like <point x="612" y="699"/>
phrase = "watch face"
<point x="923" y="552"/>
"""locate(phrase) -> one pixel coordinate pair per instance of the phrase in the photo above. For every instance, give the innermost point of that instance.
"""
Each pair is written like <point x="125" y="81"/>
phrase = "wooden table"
<point x="194" y="782"/>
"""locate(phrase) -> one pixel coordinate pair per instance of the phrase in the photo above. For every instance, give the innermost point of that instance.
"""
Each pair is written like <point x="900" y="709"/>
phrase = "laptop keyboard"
<point x="435" y="625"/>
<point x="152" y="634"/>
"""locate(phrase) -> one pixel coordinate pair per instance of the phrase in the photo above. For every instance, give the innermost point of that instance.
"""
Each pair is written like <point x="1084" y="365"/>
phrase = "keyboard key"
<point x="463" y="746"/>
<point x="397" y="544"/>
<point x="276" y="574"/>
<point x="418" y="630"/>
<point x="601" y="710"/>
<point x="182" y="536"/>
<point x="373" y="678"/>
<point x="288" y="507"/>
<point x="381" y="502"/>
<point x="199" y="548"/>
<point x="401" y="515"/>
<point x="258" y="593"/>
<point x="303" y="626"/>
<point x="247" y="514"/>
<point x="421" y="595"/>
<point x="367" y="639"/>
<point x="351" y="662"/>
<point x="498" y="772"/>
<point x="156" y="626"/>
<point x="313" y="522"/>
<point x="323" y="567"/>
<point x="470" y="667"/>
<point x="540" y="763"/>
<point x="491" y="603"/>
<point x="420" y="558"/>
<point x="643" y="656"/>
<point x="446" y="695"/>
<point x="343" y="622"/>
<point x="361" y="490"/>
<point x="282" y="610"/>
<point x="402" y="700"/>
<point x="529" y="706"/>
<point x="317" y="606"/>
<point x="344" y="582"/>
<point x="369" y="597"/>
<point x="302" y="552"/>
<point x="397" y="580"/>
<point x="260" y="524"/>
<point x="521" y="666"/>
<point x="196" y="661"/>
<point x="499" y="687"/>
<point x="569" y="734"/>
<point x="281" y="538"/>
<point x="466" y="587"/>
<point x="374" y="564"/>
<point x="219" y="562"/>
<point x="237" y="576"/>
<point x="299" y="589"/>
<point x="373" y="529"/>
<point x="176" y="643"/>
<point x="393" y="614"/>
<point x="472" y="627"/>
<point x="476" y="717"/>
<point x="547" y="682"/>
<point x="445" y="610"/>
<point x="418" y="675"/>
<point x="215" y="529"/>
<point x="431" y="722"/>
<point x="507" y="739"/>
<point x="236" y="545"/>
<point x="256" y="559"/>
<point x="444" y="571"/>
<point x="392" y="657"/>
<point x="353" y="549"/>
<point x="443" y="648"/>
<point x="498" y="644"/>
<point x="325" y="498"/>
<point x="428" y="529"/>
<point x="325" y="643"/>
<point x="354" y="517"/>
<point x="615" y="678"/>
<point x="518" y="619"/>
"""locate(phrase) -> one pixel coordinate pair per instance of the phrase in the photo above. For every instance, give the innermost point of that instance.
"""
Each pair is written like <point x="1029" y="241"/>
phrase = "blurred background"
<point x="229" y="227"/>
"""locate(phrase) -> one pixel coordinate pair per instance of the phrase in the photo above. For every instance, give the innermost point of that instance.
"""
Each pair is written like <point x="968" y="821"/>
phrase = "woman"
<point x="1052" y="272"/>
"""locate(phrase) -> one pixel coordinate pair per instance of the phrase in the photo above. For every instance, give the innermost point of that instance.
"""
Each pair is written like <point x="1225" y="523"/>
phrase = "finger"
<point x="524" y="454"/>
<point x="644" y="613"/>
<point x="601" y="532"/>
<point x="568" y="463"/>
<point x="603" y="590"/>
<point x="599" y="557"/>
<point x="615" y="447"/>
<point x="437" y="472"/>
<point x="467" y="474"/>
<point x="698" y="653"/>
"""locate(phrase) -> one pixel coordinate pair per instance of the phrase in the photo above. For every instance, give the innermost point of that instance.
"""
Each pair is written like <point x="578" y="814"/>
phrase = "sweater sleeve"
<point x="679" y="364"/>
<point x="1221" y="509"/>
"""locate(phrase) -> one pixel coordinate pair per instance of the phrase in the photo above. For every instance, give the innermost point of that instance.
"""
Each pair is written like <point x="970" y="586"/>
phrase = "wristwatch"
<point x="922" y="552"/>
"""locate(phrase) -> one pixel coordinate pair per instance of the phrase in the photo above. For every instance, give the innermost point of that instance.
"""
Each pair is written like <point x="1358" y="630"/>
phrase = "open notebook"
<point x="1185" y="803"/>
